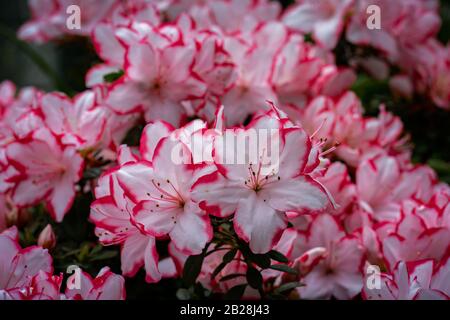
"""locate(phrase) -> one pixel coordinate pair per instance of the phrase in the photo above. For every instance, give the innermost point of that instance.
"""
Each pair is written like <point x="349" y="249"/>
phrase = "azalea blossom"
<point x="338" y="182"/>
<point x="421" y="280"/>
<point x="411" y="240"/>
<point x="324" y="19"/>
<point x="111" y="215"/>
<point x="80" y="122"/>
<point x="49" y="18"/>
<point x="329" y="260"/>
<point x="157" y="81"/>
<point x="161" y="192"/>
<point x="27" y="274"/>
<point x="43" y="169"/>
<point x="340" y="121"/>
<point x="260" y="192"/>
<point x="19" y="265"/>
<point x="106" y="286"/>
<point x="232" y="16"/>
<point x="398" y="185"/>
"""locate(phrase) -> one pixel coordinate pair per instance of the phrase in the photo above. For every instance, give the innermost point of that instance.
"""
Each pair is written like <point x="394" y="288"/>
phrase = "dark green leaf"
<point x="183" y="294"/>
<point x="283" y="268"/>
<point x="97" y="249"/>
<point x="245" y="250"/>
<point x="287" y="287"/>
<point x="192" y="269"/>
<point x="231" y="276"/>
<point x="92" y="173"/>
<point x="111" y="77"/>
<point x="104" y="255"/>
<point x="278" y="256"/>
<point x="308" y="38"/>
<point x="199" y="290"/>
<point x="254" y="278"/>
<point x="218" y="269"/>
<point x="262" y="260"/>
<point x="236" y="292"/>
<point x="229" y="256"/>
<point x="276" y="296"/>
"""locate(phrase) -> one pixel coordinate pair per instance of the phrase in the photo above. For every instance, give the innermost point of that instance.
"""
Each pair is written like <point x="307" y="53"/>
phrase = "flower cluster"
<point x="27" y="274"/>
<point x="403" y="35"/>
<point x="327" y="194"/>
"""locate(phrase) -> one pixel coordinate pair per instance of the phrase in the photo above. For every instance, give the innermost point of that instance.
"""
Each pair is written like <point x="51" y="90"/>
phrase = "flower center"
<point x="167" y="192"/>
<point x="256" y="180"/>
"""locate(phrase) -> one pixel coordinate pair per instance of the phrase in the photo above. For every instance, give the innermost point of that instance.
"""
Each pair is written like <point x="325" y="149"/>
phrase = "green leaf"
<point x="218" y="269"/>
<point x="229" y="256"/>
<point x="92" y="173"/>
<point x="111" y="77"/>
<point x="183" y="294"/>
<point x="287" y="287"/>
<point x="200" y="291"/>
<point x="262" y="260"/>
<point x="97" y="249"/>
<point x="283" y="268"/>
<point x="236" y="292"/>
<point x="254" y="278"/>
<point x="231" y="276"/>
<point x="192" y="269"/>
<point x="308" y="38"/>
<point x="104" y="256"/>
<point x="439" y="165"/>
<point x="278" y="256"/>
<point x="84" y="252"/>
<point x="276" y="296"/>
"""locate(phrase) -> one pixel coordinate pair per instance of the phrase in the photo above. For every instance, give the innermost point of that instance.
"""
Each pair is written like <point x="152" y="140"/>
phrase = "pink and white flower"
<point x="106" y="286"/>
<point x="398" y="185"/>
<point x="419" y="280"/>
<point x="161" y="192"/>
<point x="329" y="260"/>
<point x="231" y="16"/>
<point x="79" y="122"/>
<point x="413" y="240"/>
<point x="19" y="265"/>
<point x="324" y="19"/>
<point x="337" y="181"/>
<point x="49" y="18"/>
<point x="157" y="81"/>
<point x="111" y="213"/>
<point x="43" y="169"/>
<point x="260" y="192"/>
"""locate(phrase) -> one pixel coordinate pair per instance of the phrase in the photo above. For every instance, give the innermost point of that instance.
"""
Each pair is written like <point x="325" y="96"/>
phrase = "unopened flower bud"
<point x="47" y="238"/>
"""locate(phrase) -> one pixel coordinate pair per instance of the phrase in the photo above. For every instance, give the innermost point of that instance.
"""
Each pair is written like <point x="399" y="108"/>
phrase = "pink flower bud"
<point x="13" y="215"/>
<point x="47" y="238"/>
<point x="402" y="86"/>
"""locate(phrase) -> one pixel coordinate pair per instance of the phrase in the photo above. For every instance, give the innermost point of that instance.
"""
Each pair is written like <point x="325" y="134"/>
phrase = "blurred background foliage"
<point x="69" y="60"/>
